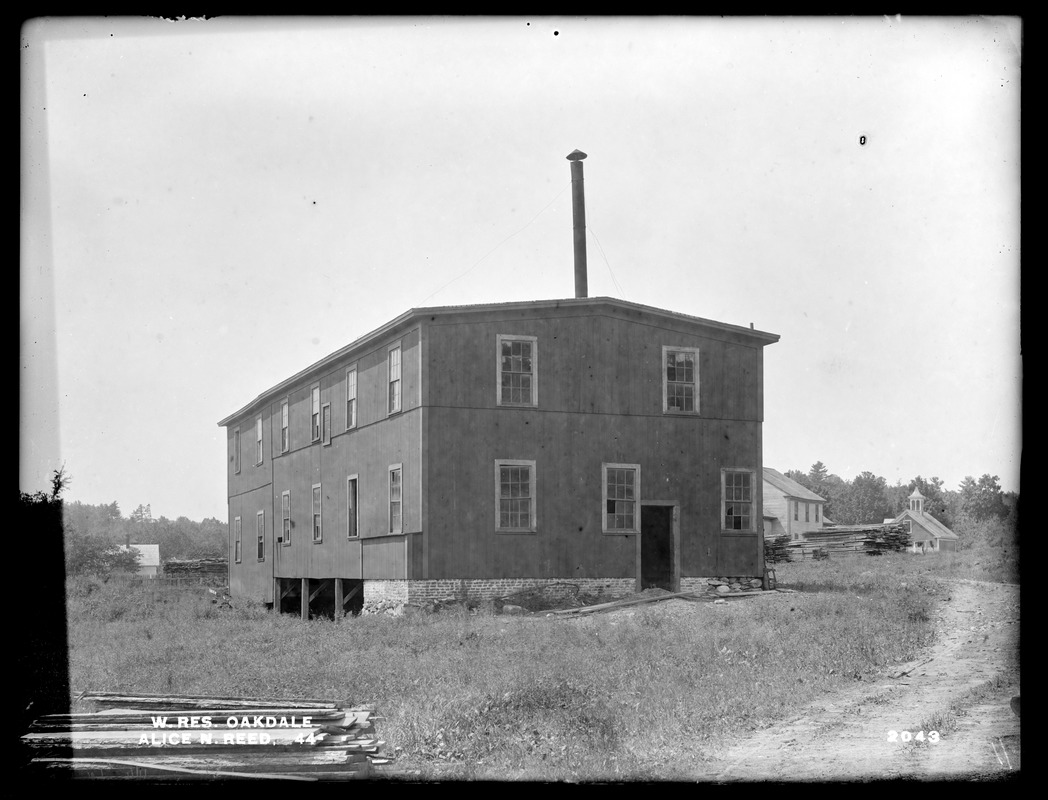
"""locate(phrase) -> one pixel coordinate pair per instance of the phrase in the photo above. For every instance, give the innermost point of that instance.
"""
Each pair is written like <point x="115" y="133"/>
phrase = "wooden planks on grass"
<point x="704" y="595"/>
<point x="191" y="737"/>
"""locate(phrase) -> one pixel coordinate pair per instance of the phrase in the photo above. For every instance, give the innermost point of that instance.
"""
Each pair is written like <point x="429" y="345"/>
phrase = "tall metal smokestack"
<point x="578" y="216"/>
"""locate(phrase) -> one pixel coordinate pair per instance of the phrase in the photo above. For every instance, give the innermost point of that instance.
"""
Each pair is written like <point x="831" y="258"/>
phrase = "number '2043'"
<point x="909" y="736"/>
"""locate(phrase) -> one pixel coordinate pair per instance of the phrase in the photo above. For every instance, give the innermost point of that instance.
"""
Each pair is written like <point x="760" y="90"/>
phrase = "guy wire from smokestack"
<point x="578" y="216"/>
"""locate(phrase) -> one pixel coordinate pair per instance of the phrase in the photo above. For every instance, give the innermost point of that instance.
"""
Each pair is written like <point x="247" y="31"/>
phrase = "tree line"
<point x="976" y="506"/>
<point x="95" y="536"/>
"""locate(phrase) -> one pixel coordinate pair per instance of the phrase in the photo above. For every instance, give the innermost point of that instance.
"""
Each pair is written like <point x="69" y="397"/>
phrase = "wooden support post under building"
<point x="338" y="598"/>
<point x="305" y="598"/>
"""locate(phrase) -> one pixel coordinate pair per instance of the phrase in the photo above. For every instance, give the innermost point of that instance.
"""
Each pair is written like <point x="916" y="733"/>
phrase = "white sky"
<point x="209" y="207"/>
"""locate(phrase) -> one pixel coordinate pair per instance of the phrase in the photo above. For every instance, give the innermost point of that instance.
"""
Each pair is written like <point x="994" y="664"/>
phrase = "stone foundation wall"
<point x="384" y="595"/>
<point x="390" y="595"/>
<point x="734" y="583"/>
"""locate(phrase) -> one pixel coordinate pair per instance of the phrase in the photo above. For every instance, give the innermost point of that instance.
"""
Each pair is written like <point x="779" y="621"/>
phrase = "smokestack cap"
<point x="575" y="155"/>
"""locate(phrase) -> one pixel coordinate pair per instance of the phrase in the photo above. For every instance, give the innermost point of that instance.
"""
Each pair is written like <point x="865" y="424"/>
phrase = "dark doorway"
<point x="656" y="547"/>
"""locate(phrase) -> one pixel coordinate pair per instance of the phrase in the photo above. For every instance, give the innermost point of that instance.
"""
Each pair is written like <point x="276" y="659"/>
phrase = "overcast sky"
<point x="209" y="207"/>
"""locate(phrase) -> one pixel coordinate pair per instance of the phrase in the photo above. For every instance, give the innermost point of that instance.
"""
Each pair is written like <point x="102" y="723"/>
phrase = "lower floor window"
<point x="515" y="496"/>
<point x="396" y="505"/>
<point x="260" y="525"/>
<point x="621" y="498"/>
<point x="737" y="491"/>
<point x="318" y="532"/>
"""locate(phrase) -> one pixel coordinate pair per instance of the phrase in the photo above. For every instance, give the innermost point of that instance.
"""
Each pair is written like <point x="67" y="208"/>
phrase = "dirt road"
<point x="963" y="685"/>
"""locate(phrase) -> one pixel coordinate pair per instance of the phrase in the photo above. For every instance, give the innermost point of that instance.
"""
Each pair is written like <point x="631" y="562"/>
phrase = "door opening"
<point x="656" y="547"/>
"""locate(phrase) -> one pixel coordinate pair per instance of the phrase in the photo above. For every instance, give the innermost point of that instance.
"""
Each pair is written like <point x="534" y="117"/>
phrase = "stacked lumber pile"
<point x="777" y="550"/>
<point x="850" y="539"/>
<point x="199" y="568"/>
<point x="157" y="737"/>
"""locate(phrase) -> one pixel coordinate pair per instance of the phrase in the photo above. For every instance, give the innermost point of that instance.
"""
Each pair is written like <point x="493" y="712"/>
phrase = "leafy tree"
<point x="833" y="489"/>
<point x="817" y="474"/>
<point x="797" y="475"/>
<point x="97" y="555"/>
<point x="983" y="499"/>
<point x="864" y="500"/>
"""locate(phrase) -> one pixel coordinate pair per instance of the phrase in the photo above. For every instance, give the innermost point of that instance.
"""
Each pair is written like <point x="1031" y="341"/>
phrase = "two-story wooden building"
<point x="478" y="450"/>
<point x="789" y="508"/>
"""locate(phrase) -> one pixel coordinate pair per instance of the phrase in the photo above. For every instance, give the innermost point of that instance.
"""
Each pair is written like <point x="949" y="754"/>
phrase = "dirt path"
<point x="846" y="736"/>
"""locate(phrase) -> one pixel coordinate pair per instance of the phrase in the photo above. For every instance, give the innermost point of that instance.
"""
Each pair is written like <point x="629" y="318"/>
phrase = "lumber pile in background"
<point x="176" y="738"/>
<point x="850" y="539"/>
<point x="203" y="569"/>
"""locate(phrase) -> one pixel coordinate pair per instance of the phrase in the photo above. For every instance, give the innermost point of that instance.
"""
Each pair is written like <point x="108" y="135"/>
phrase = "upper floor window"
<point x="621" y="498"/>
<point x="260" y="528"/>
<point x="258" y="441"/>
<point x="318" y="518"/>
<point x="352" y="515"/>
<point x="517" y="370"/>
<point x="285" y="430"/>
<point x="236" y="450"/>
<point x="394" y="379"/>
<point x="396" y="504"/>
<point x="351" y="398"/>
<point x="515" y="496"/>
<point x="680" y="380"/>
<point x="737" y="503"/>
<point x="325" y="423"/>
<point x="236" y="540"/>
<point x="285" y="518"/>
<point x="315" y="416"/>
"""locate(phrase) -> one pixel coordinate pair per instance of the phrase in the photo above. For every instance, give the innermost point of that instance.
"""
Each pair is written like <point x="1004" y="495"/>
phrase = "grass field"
<point x="649" y="694"/>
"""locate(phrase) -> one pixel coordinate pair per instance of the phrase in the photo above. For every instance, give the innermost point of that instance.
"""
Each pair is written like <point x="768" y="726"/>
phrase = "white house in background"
<point x="149" y="559"/>
<point x="789" y="508"/>
<point x="927" y="534"/>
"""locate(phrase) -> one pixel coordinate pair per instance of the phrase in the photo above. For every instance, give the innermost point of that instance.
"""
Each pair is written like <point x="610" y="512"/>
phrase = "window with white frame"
<point x="517" y="379"/>
<point x="515" y="496"/>
<point x="796" y="511"/>
<point x="352" y="513"/>
<point x="236" y="450"/>
<point x="325" y="423"/>
<point x="318" y="517"/>
<point x="807" y="512"/>
<point x="396" y="499"/>
<point x="738" y="503"/>
<point x="237" y="540"/>
<point x="285" y="517"/>
<point x="816" y="512"/>
<point x="394" y="379"/>
<point x="621" y="498"/>
<point x="680" y="380"/>
<point x="351" y="398"/>
<point x="315" y="414"/>
<point x="258" y="441"/>
<point x="285" y="429"/>
<point x="260" y="529"/>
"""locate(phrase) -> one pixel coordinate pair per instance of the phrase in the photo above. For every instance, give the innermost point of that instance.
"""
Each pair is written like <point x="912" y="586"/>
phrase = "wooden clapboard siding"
<point x="600" y="400"/>
<point x="680" y="460"/>
<point x="367" y="452"/>
<point x="251" y="578"/>
<point x="378" y="441"/>
<point x="385" y="557"/>
<point x="588" y="363"/>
